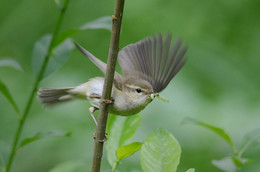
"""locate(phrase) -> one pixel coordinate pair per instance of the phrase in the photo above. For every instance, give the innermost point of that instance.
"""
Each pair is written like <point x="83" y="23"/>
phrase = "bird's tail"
<point x="50" y="96"/>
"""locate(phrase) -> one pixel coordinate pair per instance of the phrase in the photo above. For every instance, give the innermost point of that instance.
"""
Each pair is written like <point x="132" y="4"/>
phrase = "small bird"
<point x="147" y="66"/>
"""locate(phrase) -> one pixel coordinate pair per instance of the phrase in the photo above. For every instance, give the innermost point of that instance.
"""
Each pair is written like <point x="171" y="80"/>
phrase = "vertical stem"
<point x="35" y="87"/>
<point x="115" y="166"/>
<point x="111" y="64"/>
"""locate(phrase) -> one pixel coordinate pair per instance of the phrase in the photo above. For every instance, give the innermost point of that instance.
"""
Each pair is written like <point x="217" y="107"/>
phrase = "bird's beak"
<point x="153" y="95"/>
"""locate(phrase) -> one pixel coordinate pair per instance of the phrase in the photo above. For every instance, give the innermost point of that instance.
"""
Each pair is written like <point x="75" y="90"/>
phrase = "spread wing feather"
<point x="155" y="58"/>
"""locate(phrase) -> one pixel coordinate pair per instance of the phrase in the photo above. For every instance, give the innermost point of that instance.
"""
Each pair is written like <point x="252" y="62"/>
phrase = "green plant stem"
<point x="35" y="87"/>
<point x="115" y="166"/>
<point x="106" y="96"/>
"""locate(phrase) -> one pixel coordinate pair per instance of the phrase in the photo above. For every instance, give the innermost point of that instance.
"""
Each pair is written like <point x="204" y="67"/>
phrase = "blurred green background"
<point x="219" y="85"/>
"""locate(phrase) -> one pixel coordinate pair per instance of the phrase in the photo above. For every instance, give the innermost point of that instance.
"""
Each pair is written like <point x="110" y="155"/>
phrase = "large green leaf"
<point x="160" y="152"/>
<point x="59" y="56"/>
<point x="8" y="96"/>
<point x="217" y="130"/>
<point x="40" y="136"/>
<point x="9" y="62"/>
<point x="100" y="23"/>
<point x="127" y="150"/>
<point x="120" y="130"/>
<point x="250" y="141"/>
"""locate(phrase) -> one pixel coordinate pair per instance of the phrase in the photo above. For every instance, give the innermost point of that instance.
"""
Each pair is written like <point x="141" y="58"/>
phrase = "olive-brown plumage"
<point x="148" y="66"/>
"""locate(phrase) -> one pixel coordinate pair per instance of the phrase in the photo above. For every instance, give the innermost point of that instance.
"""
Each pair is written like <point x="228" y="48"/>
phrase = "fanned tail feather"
<point x="50" y="96"/>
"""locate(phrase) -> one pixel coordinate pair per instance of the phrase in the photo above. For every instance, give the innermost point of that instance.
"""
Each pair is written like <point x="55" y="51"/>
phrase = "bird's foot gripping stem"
<point x="101" y="141"/>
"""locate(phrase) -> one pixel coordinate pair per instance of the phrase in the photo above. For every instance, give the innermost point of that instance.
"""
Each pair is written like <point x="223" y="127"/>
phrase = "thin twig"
<point x="35" y="87"/>
<point x="111" y="64"/>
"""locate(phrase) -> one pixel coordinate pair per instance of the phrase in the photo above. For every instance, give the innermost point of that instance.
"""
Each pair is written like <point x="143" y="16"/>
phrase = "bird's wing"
<point x="101" y="65"/>
<point x="155" y="58"/>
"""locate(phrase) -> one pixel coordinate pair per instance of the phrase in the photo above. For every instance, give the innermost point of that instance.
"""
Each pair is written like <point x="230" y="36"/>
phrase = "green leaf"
<point x="225" y="164"/>
<point x="40" y="136"/>
<point x="69" y="166"/>
<point x="60" y="55"/>
<point x="191" y="170"/>
<point x="217" y="130"/>
<point x="4" y="90"/>
<point x="160" y="152"/>
<point x="9" y="62"/>
<point x="64" y="35"/>
<point x="250" y="141"/>
<point x="100" y="23"/>
<point x="240" y="162"/>
<point x="120" y="129"/>
<point x="127" y="150"/>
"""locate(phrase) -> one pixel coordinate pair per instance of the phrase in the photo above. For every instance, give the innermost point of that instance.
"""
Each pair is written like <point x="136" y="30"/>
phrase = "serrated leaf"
<point x="9" y="62"/>
<point x="40" y="136"/>
<point x="69" y="166"/>
<point x="160" y="152"/>
<point x="127" y="150"/>
<point x="225" y="164"/>
<point x="120" y="130"/>
<point x="250" y="141"/>
<point x="191" y="170"/>
<point x="216" y="130"/>
<point x="60" y="55"/>
<point x="100" y="23"/>
<point x="4" y="90"/>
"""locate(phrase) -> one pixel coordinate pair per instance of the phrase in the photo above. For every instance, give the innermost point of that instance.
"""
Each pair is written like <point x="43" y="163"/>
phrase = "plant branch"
<point x="104" y="107"/>
<point x="35" y="87"/>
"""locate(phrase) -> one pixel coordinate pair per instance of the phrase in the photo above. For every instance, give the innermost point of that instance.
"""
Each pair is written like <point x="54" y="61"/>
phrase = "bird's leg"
<point x="91" y="111"/>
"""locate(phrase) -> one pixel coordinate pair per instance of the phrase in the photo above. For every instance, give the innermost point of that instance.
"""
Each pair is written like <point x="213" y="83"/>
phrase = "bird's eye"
<point x="138" y="90"/>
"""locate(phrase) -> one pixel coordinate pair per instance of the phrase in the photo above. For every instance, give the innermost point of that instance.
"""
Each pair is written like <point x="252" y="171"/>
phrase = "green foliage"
<point x="49" y="54"/>
<point x="160" y="152"/>
<point x="40" y="136"/>
<point x="191" y="170"/>
<point x="225" y="164"/>
<point x="235" y="162"/>
<point x="216" y="130"/>
<point x="59" y="57"/>
<point x="8" y="96"/>
<point x="127" y="150"/>
<point x="9" y="62"/>
<point x="120" y="130"/>
<point x="250" y="141"/>
<point x="69" y="166"/>
<point x="100" y="23"/>
<point x="219" y="82"/>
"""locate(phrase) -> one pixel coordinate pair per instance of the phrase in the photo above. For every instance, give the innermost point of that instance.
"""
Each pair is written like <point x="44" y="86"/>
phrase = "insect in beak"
<point x="153" y="96"/>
